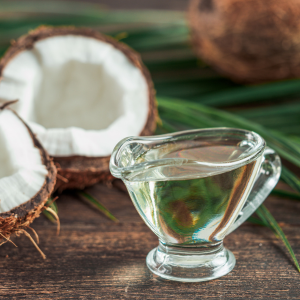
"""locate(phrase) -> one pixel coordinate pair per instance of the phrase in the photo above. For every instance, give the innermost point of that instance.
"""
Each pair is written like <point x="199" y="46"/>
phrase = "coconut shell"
<point x="248" y="41"/>
<point x="17" y="220"/>
<point x="81" y="171"/>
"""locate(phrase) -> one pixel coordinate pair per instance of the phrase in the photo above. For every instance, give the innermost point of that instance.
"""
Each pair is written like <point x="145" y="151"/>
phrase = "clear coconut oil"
<point x="189" y="203"/>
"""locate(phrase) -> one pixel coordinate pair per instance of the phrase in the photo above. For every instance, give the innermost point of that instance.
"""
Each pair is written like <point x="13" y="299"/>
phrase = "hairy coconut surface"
<point x="27" y="175"/>
<point x="249" y="41"/>
<point x="80" y="92"/>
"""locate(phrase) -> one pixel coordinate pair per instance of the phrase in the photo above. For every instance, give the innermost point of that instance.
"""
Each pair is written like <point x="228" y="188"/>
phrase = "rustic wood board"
<point x="95" y="258"/>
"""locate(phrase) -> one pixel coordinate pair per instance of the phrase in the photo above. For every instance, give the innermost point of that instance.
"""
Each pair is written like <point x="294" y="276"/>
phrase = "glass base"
<point x="190" y="264"/>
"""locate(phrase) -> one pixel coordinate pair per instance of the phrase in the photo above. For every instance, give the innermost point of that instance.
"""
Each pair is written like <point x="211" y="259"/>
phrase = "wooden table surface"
<point x="95" y="258"/>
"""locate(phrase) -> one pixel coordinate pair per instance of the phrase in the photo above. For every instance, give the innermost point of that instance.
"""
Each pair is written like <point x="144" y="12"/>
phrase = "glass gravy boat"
<point x="192" y="188"/>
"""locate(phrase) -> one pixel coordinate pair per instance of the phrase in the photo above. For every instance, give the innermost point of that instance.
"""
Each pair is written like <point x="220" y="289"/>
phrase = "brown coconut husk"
<point x="248" y="41"/>
<point x="81" y="171"/>
<point x="17" y="220"/>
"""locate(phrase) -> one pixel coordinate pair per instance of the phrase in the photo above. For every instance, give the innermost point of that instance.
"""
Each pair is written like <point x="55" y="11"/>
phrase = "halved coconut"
<point x="27" y="175"/>
<point x="81" y="92"/>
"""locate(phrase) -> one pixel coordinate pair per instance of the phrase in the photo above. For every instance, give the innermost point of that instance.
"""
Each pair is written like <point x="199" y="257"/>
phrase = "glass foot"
<point x="190" y="264"/>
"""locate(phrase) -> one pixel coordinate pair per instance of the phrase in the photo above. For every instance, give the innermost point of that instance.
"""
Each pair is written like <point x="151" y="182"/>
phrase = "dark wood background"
<point x="95" y="258"/>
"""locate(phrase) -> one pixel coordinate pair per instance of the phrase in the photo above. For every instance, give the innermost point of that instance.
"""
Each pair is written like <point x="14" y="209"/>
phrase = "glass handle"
<point x="266" y="180"/>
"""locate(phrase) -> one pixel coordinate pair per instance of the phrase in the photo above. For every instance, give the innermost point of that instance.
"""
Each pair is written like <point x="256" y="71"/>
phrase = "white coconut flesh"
<point x="81" y="96"/>
<point x="22" y="172"/>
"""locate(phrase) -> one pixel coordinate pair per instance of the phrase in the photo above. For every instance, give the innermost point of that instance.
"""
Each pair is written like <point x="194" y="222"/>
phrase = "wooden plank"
<point x="95" y="258"/>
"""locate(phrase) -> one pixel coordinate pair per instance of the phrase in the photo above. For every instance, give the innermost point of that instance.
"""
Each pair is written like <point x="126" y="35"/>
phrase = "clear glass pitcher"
<point x="192" y="188"/>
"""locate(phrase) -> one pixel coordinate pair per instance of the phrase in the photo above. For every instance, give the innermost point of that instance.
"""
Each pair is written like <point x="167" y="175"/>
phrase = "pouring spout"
<point x="184" y="155"/>
<point x="133" y="153"/>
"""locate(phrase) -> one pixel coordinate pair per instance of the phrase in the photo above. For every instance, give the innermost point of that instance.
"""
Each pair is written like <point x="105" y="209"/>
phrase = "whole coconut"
<point x="248" y="40"/>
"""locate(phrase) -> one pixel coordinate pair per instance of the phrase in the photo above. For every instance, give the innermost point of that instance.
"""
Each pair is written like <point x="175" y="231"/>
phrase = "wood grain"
<point x="95" y="258"/>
